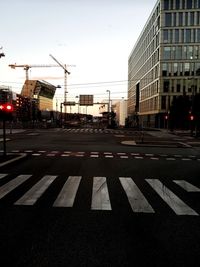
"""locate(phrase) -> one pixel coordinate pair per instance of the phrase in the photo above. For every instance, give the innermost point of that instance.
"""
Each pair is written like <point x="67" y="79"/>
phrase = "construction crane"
<point x="27" y="67"/>
<point x="64" y="67"/>
<point x="1" y="53"/>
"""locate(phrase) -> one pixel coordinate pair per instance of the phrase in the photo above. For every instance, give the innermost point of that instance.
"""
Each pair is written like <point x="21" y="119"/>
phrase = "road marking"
<point x="153" y="158"/>
<point x="109" y="156"/>
<point x="51" y="155"/>
<point x="2" y="175"/>
<point x="36" y="154"/>
<point x="138" y="157"/>
<point x="100" y="195"/>
<point x="8" y="187"/>
<point x="186" y="159"/>
<point x="123" y="157"/>
<point x="135" y="197"/>
<point x="187" y="186"/>
<point x="94" y="156"/>
<point x="68" y="193"/>
<point x="175" y="203"/>
<point x="31" y="196"/>
<point x="170" y="159"/>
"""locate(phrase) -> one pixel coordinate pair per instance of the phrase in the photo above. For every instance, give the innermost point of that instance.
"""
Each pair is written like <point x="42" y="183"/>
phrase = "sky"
<point x="94" y="38"/>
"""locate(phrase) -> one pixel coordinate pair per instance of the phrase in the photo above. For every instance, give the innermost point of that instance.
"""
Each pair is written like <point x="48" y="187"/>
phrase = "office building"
<point x="165" y="61"/>
<point x="41" y="91"/>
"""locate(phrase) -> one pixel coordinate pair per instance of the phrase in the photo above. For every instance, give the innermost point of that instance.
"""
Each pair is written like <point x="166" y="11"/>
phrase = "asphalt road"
<point x="82" y="199"/>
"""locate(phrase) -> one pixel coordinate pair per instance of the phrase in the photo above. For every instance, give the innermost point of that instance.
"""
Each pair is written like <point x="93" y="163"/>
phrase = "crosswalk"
<point x="96" y="131"/>
<point x="100" y="193"/>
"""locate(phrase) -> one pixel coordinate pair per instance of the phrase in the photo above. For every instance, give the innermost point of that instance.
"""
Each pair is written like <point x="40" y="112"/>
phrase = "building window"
<point x="177" y="4"/>
<point x="186" y="69"/>
<point x="165" y="36"/>
<point x="166" y="86"/>
<point x="166" y="4"/>
<point x="175" y="69"/>
<point x="186" y="18"/>
<point x="180" y="19"/>
<point x="168" y="19"/>
<point x="167" y="52"/>
<point x="178" y="87"/>
<point x="164" y="69"/>
<point x="189" y="4"/>
<point x="178" y="54"/>
<point x="176" y="39"/>
<point x="187" y="35"/>
<point x="163" y="102"/>
<point x="191" y="18"/>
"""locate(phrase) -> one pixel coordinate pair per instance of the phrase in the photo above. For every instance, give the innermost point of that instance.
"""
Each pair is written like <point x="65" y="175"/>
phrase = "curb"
<point x="133" y="143"/>
<point x="21" y="155"/>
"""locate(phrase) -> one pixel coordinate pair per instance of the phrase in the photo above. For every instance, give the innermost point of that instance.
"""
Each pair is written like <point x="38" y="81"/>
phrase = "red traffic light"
<point x="191" y="117"/>
<point x="7" y="107"/>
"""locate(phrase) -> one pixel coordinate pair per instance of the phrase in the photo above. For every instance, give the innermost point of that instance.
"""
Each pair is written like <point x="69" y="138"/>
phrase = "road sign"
<point x="69" y="103"/>
<point x="86" y="100"/>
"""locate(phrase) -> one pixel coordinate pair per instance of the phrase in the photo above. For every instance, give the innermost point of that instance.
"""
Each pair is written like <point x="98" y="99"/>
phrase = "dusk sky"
<point x="95" y="36"/>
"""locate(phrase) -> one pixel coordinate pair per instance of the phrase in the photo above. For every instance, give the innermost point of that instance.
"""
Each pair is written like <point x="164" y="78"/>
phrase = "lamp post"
<point x="108" y="106"/>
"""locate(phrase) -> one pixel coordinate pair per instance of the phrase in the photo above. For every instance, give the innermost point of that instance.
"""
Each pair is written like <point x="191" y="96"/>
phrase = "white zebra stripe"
<point x="175" y="203"/>
<point x="100" y="195"/>
<point x="68" y="193"/>
<point x="135" y="197"/>
<point x="187" y="186"/>
<point x="31" y="196"/>
<point x="8" y="187"/>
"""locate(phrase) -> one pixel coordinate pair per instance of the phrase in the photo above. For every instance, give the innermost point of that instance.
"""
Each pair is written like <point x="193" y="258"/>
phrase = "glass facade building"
<point x="42" y="91"/>
<point x="165" y="61"/>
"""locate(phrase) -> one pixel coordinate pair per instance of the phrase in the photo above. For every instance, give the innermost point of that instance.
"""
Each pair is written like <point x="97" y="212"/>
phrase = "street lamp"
<point x="108" y="100"/>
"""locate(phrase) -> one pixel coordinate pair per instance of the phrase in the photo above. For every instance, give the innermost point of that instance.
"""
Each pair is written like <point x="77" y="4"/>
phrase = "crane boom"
<point x="59" y="64"/>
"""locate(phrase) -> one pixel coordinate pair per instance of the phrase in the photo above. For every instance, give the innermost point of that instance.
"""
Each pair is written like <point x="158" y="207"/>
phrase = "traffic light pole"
<point x="4" y="137"/>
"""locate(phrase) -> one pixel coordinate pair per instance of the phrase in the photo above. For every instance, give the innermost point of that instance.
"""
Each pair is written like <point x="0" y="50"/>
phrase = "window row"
<point x="182" y="19"/>
<point x="180" y="69"/>
<point x="181" y="36"/>
<point x="180" y="86"/>
<point x="181" y="52"/>
<point x="149" y="91"/>
<point x="181" y="4"/>
<point x="149" y="105"/>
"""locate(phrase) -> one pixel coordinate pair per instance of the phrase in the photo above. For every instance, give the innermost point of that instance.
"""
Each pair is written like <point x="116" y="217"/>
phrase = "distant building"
<point x="165" y="61"/>
<point x="120" y="108"/>
<point x="40" y="90"/>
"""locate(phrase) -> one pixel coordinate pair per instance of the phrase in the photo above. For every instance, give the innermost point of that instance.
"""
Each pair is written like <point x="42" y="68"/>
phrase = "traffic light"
<point x="6" y="110"/>
<point x="191" y="117"/>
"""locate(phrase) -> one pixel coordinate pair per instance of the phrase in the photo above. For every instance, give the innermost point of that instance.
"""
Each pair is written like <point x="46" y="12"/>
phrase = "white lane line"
<point x="135" y="197"/>
<point x="175" y="203"/>
<point x="123" y="157"/>
<point x="67" y="195"/>
<point x="8" y="187"/>
<point x="100" y="195"/>
<point x="31" y="196"/>
<point x="187" y="186"/>
<point x="109" y="156"/>
<point x="64" y="155"/>
<point x="186" y="159"/>
<point x="36" y="154"/>
<point x="121" y="153"/>
<point x="2" y="175"/>
<point x="149" y="155"/>
<point x="94" y="156"/>
<point x="153" y="158"/>
<point x="138" y="157"/>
